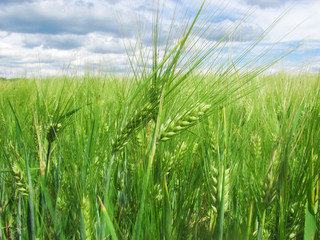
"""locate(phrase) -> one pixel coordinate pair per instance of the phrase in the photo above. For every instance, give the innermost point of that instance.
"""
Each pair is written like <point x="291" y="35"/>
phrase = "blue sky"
<point x="46" y="37"/>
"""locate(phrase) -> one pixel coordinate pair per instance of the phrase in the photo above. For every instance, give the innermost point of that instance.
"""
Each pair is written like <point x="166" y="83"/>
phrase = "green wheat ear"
<point x="183" y="122"/>
<point x="86" y="213"/>
<point x="19" y="175"/>
<point x="22" y="186"/>
<point x="53" y="131"/>
<point x="60" y="122"/>
<point x="140" y="117"/>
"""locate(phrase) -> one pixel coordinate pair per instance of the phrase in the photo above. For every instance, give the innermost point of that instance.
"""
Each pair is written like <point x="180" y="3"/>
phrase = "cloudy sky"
<point x="52" y="37"/>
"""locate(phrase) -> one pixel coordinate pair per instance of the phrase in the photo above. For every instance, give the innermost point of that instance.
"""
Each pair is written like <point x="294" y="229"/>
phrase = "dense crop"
<point x="251" y="169"/>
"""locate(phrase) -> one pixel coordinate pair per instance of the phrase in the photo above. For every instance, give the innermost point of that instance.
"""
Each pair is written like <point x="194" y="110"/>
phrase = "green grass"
<point x="171" y="152"/>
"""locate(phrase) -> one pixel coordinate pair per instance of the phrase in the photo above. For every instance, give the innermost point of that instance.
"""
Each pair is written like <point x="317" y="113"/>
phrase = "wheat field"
<point x="169" y="152"/>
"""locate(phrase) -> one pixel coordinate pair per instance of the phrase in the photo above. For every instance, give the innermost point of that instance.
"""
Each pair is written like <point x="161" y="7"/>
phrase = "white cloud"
<point x="299" y="22"/>
<point x="49" y="35"/>
<point x="267" y="3"/>
<point x="233" y="31"/>
<point x="56" y="17"/>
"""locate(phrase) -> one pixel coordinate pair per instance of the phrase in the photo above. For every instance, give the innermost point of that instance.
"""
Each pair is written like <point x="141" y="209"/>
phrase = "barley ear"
<point x="22" y="186"/>
<point x="140" y="117"/>
<point x="85" y="208"/>
<point x="183" y="122"/>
